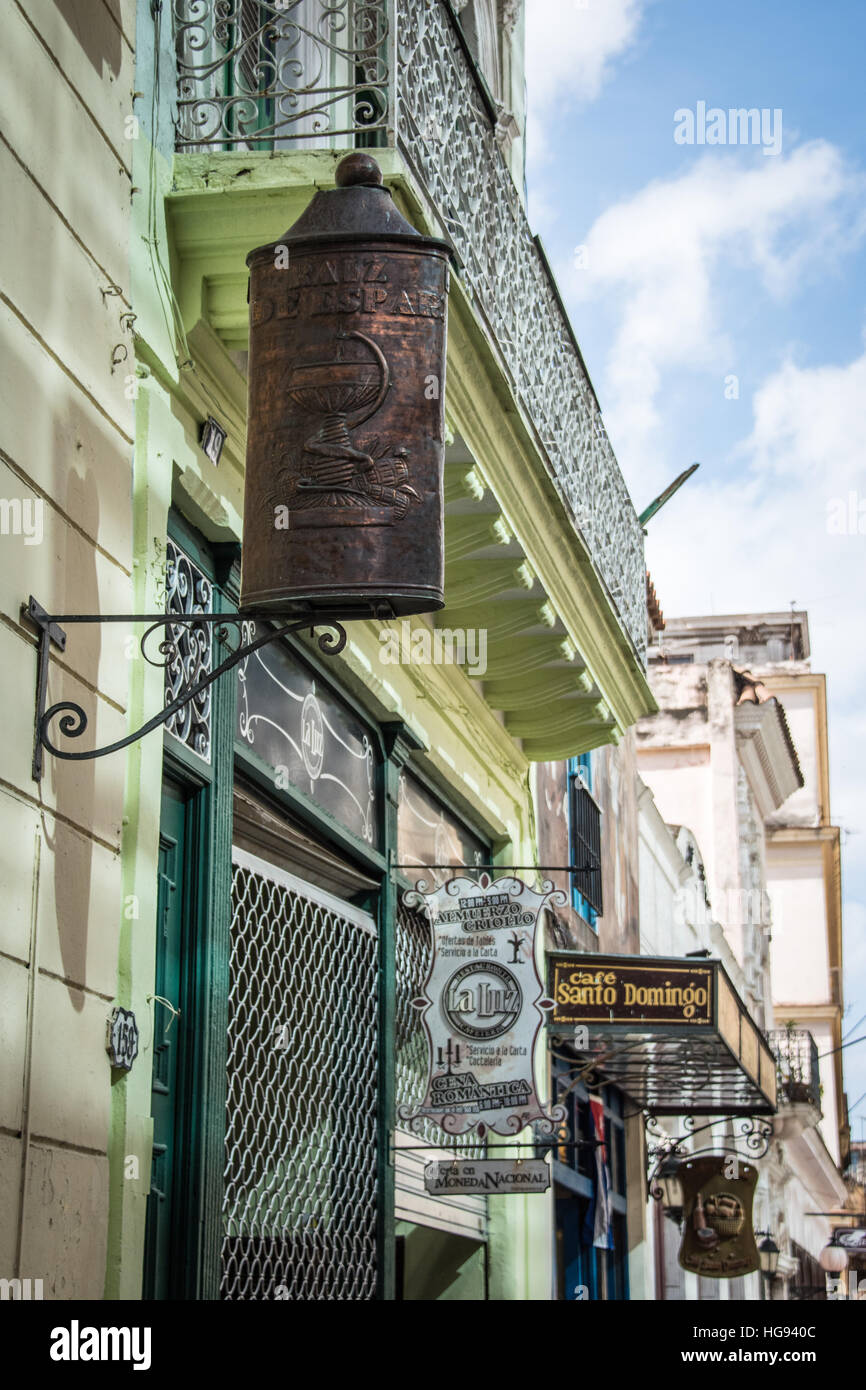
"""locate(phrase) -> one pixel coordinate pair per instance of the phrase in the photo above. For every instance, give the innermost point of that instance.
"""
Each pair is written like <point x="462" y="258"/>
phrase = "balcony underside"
<point x="560" y="667"/>
<point x="535" y="675"/>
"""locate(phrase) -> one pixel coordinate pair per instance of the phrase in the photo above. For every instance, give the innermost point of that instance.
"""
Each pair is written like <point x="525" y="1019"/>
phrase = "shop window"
<point x="306" y="738"/>
<point x="428" y="833"/>
<point x="584" y="835"/>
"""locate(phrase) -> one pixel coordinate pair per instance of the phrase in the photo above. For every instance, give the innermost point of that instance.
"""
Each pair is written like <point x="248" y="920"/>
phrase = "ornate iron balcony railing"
<point x="798" y="1073"/>
<point x="271" y="74"/>
<point x="308" y="74"/>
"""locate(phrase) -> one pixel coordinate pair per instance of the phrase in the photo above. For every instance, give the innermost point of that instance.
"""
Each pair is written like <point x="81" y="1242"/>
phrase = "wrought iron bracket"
<point x="749" y="1143"/>
<point x="72" y="720"/>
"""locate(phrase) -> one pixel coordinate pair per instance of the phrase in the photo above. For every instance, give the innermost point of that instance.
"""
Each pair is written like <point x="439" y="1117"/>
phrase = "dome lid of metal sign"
<point x="360" y="207"/>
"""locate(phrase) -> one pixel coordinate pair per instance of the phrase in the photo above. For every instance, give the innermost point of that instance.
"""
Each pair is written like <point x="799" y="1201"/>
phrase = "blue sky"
<point x="719" y="297"/>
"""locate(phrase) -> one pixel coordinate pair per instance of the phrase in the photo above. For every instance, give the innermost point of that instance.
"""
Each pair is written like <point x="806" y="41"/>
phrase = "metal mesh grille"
<point x="413" y="951"/>
<point x="301" y="1129"/>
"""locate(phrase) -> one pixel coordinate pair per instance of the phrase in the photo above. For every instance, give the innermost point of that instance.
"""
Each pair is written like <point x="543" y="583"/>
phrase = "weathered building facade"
<point x="234" y="879"/>
<point x="737" y="755"/>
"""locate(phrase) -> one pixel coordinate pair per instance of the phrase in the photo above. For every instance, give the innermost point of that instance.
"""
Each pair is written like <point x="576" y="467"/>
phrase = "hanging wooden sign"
<point x="624" y="989"/>
<point x="482" y="1005"/>
<point x="718" y="1238"/>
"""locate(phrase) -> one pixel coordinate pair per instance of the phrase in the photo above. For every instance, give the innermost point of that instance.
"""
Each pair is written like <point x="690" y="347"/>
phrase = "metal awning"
<point x="671" y="1032"/>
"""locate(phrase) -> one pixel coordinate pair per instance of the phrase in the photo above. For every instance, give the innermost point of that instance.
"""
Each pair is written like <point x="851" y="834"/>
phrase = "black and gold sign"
<point x="625" y="989"/>
<point x="718" y="1239"/>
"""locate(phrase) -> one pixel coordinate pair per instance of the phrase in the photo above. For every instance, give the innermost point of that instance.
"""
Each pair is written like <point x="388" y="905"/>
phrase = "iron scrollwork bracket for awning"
<point x="589" y="1068"/>
<point x="744" y="1138"/>
<point x="72" y="719"/>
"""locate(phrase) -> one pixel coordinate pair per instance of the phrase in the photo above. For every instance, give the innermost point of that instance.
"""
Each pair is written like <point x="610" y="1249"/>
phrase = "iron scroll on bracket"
<point x="745" y="1138"/>
<point x="72" y="719"/>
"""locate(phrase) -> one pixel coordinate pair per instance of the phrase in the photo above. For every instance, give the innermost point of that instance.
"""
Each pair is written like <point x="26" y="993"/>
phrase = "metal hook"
<point x="175" y="1013"/>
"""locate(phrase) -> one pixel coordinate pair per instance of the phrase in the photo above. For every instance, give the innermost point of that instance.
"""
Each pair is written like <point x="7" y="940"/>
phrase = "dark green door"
<point x="163" y="1203"/>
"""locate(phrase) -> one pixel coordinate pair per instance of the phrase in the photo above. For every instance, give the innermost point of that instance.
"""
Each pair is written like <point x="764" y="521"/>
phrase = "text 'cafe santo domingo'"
<point x="683" y="994"/>
<point x="636" y="1011"/>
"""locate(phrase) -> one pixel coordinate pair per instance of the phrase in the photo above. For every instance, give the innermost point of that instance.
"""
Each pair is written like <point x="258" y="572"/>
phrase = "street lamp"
<point x="834" y="1257"/>
<point x="667" y="1187"/>
<point x="768" y="1254"/>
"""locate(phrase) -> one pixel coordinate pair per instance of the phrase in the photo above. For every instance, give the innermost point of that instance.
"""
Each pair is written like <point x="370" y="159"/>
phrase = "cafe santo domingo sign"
<point x="620" y="992"/>
<point x="482" y="1006"/>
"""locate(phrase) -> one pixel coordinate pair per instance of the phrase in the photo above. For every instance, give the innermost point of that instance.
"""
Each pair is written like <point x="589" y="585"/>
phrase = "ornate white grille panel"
<point x="190" y="650"/>
<point x="301" y="1128"/>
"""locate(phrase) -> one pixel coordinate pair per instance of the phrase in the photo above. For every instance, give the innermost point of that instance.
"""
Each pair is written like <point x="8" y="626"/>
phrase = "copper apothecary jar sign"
<point x="346" y="432"/>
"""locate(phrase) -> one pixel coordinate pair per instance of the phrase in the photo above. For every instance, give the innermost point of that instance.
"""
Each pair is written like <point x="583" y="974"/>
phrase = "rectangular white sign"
<point x="486" y="1177"/>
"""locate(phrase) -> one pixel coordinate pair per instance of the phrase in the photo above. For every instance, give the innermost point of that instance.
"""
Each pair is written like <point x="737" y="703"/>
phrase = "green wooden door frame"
<point x="204" y="1006"/>
<point x="400" y="743"/>
<point x="209" y="851"/>
<point x="209" y="856"/>
<point x="204" y="1003"/>
<point x="165" y="1199"/>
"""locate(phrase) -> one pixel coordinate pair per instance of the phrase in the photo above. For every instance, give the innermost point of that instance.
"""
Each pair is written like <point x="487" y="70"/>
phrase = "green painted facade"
<point x="197" y="216"/>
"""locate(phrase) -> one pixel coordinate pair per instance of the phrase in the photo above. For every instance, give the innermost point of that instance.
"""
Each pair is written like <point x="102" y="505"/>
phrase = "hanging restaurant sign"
<point x="670" y="1031"/>
<point x="490" y="1176"/>
<point x="343" y="500"/>
<point x="483" y="1005"/>
<point x="620" y="989"/>
<point x="718" y="1238"/>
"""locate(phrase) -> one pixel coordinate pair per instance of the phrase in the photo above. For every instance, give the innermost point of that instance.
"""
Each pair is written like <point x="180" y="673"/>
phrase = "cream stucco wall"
<point x="795" y="881"/>
<point x="65" y="445"/>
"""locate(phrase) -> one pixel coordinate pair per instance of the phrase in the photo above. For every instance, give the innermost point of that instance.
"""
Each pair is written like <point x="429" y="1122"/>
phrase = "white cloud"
<point x="755" y="534"/>
<point x="658" y="260"/>
<point x="569" y="50"/>
<point x="805" y="418"/>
